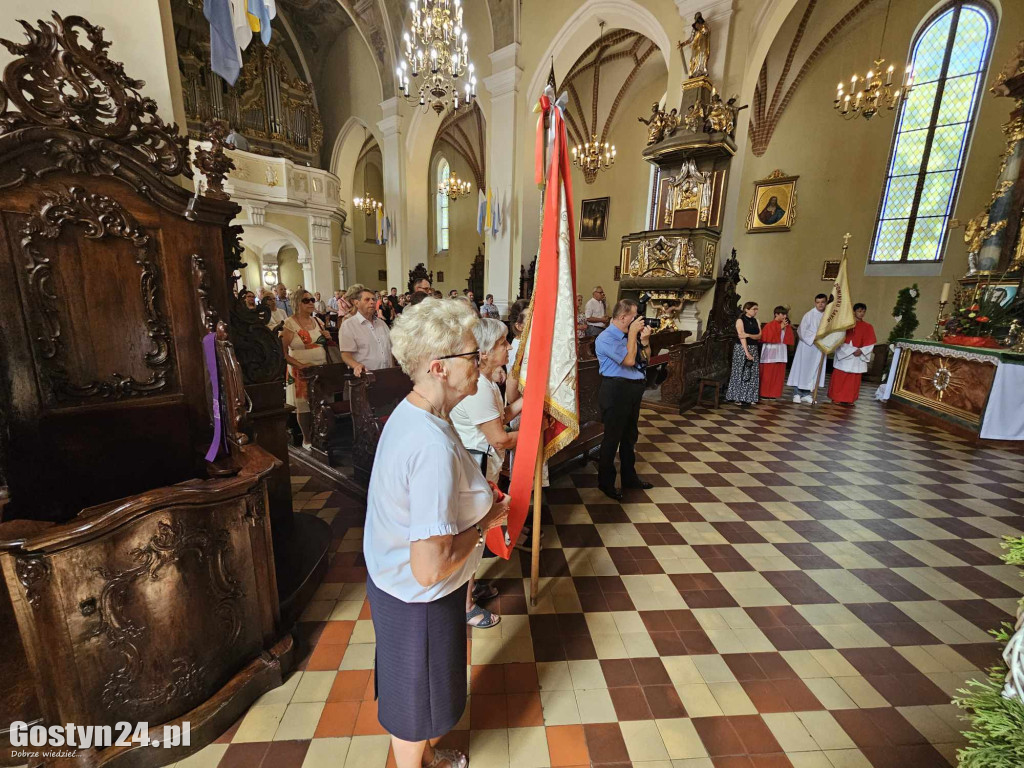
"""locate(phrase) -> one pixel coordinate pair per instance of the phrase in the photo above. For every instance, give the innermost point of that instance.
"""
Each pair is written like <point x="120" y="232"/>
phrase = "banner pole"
<point x="535" y="554"/>
<point x="817" y="378"/>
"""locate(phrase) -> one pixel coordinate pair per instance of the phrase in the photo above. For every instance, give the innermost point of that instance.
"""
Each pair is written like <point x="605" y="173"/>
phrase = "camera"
<point x="641" y="311"/>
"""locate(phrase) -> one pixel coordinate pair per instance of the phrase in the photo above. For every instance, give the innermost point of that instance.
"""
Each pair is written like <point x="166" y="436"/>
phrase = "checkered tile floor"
<point x="805" y="587"/>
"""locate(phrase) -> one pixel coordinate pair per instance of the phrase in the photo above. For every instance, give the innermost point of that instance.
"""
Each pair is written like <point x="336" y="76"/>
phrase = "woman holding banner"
<point x="428" y="510"/>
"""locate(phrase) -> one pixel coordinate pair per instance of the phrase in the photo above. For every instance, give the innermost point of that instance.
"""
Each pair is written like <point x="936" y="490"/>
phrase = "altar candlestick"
<point x="945" y="294"/>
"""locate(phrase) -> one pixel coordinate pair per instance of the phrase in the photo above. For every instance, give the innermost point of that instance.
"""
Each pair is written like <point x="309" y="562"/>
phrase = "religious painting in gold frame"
<point x="829" y="271"/>
<point x="773" y="206"/>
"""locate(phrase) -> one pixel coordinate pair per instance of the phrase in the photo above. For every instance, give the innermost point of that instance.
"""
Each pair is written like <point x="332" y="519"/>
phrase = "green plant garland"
<point x="904" y="314"/>
<point x="996" y="737"/>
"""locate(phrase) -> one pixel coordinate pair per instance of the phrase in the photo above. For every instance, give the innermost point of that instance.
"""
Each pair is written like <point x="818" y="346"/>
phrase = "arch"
<point x="344" y="154"/>
<point x="575" y="36"/>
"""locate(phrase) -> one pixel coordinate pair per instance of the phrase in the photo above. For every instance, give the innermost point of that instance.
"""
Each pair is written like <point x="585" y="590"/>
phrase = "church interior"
<point x="817" y="565"/>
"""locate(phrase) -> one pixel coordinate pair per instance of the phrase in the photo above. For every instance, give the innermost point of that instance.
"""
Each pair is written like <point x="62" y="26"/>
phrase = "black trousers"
<point x="620" y="401"/>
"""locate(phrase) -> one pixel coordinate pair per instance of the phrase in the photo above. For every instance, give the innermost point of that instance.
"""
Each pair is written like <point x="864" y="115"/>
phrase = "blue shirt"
<point x="611" y="351"/>
<point x="284" y="304"/>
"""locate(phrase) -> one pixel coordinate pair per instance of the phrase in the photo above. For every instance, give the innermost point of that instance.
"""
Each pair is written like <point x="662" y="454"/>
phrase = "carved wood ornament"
<point x="100" y="216"/>
<point x="172" y="543"/>
<point x="89" y="109"/>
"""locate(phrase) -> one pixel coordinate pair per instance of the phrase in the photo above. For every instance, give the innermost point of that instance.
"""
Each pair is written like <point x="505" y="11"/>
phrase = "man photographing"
<point x="622" y="353"/>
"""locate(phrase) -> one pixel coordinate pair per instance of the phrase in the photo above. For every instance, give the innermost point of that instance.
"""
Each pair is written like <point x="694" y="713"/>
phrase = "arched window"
<point x="949" y="57"/>
<point x="443" y="172"/>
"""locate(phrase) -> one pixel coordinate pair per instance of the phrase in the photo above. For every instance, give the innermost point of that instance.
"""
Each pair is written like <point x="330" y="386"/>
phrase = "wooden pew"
<point x="591" y="428"/>
<point x="371" y="398"/>
<point x="328" y="406"/>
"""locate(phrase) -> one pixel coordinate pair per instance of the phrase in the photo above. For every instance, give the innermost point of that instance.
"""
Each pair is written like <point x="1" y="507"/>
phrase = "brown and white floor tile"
<point x="804" y="587"/>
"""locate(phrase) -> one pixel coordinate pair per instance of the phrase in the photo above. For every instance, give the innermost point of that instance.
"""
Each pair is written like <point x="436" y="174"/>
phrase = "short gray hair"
<point x="622" y="307"/>
<point x="487" y="333"/>
<point x="429" y="330"/>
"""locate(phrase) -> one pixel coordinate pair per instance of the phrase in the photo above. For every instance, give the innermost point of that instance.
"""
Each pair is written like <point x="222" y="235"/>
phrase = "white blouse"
<point x="424" y="484"/>
<point x="486" y="405"/>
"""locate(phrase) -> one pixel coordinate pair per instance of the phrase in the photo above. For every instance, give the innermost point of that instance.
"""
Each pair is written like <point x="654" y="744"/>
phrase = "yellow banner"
<point x="838" y="315"/>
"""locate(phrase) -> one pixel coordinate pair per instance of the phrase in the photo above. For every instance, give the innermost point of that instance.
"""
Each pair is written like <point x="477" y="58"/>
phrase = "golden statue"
<point x="660" y="124"/>
<point x="655" y="124"/>
<point x="693" y="120"/>
<point x="719" y="118"/>
<point x="1012" y="68"/>
<point x="700" y="48"/>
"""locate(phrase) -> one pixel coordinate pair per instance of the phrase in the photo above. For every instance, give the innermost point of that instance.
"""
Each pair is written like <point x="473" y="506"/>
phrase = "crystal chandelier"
<point x="593" y="156"/>
<point x="454" y="187"/>
<point x="876" y="91"/>
<point x="366" y="204"/>
<point x="435" y="54"/>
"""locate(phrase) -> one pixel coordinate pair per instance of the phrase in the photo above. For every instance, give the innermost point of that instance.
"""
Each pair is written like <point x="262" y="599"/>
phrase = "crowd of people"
<point x="760" y="355"/>
<point x="436" y="487"/>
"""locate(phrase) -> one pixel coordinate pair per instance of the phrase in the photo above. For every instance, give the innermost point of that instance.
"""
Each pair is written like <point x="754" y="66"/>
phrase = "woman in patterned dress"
<point x="305" y="343"/>
<point x="744" y="381"/>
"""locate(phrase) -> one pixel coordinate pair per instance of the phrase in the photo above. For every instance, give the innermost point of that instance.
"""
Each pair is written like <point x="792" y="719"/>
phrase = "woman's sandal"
<point x="484" y="591"/>
<point x="487" y="619"/>
<point x="455" y="758"/>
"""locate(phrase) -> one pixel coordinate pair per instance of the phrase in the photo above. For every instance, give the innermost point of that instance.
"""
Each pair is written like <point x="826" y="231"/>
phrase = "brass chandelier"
<point x="366" y="204"/>
<point x="435" y="53"/>
<point x="876" y="90"/>
<point x="593" y="156"/>
<point x="454" y="187"/>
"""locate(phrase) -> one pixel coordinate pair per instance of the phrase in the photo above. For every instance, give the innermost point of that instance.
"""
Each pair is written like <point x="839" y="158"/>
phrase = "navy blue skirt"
<point x="420" y="665"/>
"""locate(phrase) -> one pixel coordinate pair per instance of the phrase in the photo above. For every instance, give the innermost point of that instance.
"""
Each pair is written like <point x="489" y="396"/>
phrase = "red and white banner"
<point x="547" y="351"/>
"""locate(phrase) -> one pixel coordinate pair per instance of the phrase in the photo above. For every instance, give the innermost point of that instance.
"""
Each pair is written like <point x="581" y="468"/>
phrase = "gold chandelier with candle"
<point x="435" y="55"/>
<point x="454" y="187"/>
<point x="593" y="156"/>
<point x="876" y="91"/>
<point x="366" y="204"/>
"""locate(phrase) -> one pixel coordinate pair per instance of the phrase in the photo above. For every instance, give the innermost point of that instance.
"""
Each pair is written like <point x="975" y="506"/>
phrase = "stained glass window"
<point x="948" y="57"/>
<point x="443" y="172"/>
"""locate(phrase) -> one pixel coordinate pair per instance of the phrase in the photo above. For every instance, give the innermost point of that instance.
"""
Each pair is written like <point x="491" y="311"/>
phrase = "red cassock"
<point x="773" y="374"/>
<point x="844" y="386"/>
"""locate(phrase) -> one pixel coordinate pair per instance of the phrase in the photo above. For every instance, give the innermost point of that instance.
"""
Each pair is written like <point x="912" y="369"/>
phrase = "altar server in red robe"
<point x="851" y="359"/>
<point x="776" y="338"/>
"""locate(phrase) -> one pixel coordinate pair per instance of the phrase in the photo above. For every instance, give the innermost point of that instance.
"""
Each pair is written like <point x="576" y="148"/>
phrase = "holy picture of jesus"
<point x="773" y="207"/>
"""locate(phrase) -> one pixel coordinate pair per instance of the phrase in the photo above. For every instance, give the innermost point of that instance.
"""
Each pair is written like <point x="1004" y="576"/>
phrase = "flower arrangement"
<point x="985" y="315"/>
<point x="904" y="314"/>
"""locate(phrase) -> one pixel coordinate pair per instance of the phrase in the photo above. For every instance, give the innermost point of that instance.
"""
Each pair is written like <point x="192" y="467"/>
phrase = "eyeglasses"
<point x="309" y="301"/>
<point x="475" y="354"/>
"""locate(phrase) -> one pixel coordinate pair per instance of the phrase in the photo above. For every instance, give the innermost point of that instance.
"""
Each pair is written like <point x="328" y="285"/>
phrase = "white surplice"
<point x="846" y="361"/>
<point x="808" y="357"/>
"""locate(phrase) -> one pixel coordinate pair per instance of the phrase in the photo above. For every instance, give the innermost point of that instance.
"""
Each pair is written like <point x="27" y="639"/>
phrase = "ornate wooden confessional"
<point x="138" y="578"/>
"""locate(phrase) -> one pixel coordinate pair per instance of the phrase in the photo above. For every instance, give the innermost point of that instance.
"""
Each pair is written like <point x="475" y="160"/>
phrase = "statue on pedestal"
<point x="700" y="48"/>
<point x="660" y="124"/>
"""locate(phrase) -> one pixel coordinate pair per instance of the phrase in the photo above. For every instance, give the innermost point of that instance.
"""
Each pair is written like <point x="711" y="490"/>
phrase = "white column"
<point x="501" y="273"/>
<point x="322" y="251"/>
<point x="392" y="148"/>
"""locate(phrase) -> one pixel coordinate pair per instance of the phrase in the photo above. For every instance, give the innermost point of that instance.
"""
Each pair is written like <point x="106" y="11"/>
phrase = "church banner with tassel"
<point x="545" y="365"/>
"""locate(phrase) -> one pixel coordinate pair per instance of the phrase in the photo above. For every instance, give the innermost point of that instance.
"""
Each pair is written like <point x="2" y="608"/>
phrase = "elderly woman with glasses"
<point x="428" y="511"/>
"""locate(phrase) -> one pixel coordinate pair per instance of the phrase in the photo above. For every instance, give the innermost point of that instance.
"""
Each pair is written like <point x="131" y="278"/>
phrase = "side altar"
<point x="971" y="391"/>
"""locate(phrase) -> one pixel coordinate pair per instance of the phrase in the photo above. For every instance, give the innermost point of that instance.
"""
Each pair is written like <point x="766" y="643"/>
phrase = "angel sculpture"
<point x="700" y="48"/>
<point x="694" y="117"/>
<point x="719" y="118"/>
